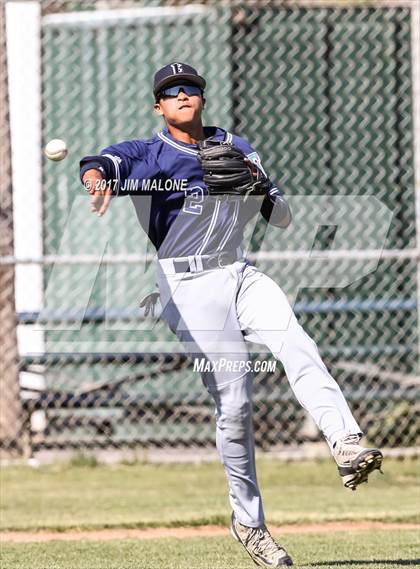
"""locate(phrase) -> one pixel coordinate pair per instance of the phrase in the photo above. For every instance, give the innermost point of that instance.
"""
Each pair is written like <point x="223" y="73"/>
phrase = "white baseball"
<point x="56" y="149"/>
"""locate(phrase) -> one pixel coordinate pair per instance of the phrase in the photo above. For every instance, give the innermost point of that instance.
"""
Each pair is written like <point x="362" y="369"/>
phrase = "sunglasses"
<point x="189" y="90"/>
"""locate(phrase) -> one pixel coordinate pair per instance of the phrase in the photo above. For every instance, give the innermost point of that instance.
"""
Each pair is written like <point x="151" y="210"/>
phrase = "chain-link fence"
<point x="327" y="93"/>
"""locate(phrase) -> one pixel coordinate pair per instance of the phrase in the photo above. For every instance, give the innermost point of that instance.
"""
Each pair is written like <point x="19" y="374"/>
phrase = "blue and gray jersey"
<point x="164" y="179"/>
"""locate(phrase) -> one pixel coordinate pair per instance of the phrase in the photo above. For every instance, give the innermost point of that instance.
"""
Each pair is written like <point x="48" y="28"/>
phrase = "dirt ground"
<point x="188" y="532"/>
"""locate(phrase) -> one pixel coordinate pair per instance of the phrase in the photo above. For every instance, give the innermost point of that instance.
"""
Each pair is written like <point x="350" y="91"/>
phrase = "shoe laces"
<point x="262" y="541"/>
<point x="351" y="439"/>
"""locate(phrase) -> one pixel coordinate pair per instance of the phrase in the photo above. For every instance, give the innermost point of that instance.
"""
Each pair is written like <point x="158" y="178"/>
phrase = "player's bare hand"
<point x="99" y="190"/>
<point x="99" y="202"/>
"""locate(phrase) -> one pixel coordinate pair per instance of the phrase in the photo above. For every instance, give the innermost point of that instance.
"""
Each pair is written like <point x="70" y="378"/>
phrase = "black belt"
<point x="208" y="262"/>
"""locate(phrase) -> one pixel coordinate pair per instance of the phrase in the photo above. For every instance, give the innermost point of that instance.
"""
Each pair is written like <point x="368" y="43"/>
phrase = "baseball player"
<point x="194" y="189"/>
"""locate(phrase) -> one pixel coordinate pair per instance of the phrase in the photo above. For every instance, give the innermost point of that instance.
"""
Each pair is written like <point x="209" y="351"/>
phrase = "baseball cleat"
<point x="260" y="545"/>
<point x="355" y="462"/>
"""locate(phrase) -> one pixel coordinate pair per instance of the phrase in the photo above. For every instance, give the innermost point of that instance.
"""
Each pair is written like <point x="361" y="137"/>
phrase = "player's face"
<point x="180" y="106"/>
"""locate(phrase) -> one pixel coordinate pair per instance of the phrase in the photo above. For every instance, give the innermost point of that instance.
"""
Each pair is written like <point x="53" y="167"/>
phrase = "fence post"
<point x="10" y="405"/>
<point x="415" y="52"/>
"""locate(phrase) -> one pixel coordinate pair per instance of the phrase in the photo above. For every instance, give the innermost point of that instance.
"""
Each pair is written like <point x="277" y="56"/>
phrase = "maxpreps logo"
<point x="203" y="365"/>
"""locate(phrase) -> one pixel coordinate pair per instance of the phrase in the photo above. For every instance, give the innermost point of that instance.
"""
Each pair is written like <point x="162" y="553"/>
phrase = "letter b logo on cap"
<point x="176" y="68"/>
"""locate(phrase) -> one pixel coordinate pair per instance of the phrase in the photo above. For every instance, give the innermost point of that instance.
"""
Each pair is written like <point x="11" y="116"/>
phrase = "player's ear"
<point x="204" y="101"/>
<point x="158" y="109"/>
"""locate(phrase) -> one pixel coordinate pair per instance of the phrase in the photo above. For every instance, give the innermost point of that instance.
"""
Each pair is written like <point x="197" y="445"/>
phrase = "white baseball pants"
<point x="213" y="313"/>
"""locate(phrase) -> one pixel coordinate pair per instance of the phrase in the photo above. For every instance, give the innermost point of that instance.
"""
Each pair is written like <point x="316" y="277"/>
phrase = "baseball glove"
<point x="227" y="171"/>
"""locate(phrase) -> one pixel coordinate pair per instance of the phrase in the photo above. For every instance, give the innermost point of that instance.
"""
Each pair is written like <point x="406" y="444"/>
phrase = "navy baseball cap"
<point x="174" y="73"/>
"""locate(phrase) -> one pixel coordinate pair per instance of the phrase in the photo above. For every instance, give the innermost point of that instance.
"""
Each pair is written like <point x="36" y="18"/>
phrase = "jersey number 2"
<point x="194" y="198"/>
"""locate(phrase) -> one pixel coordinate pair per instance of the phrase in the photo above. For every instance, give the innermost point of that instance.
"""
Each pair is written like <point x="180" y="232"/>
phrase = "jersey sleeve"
<point x="115" y="162"/>
<point x="274" y="207"/>
<point x="249" y="151"/>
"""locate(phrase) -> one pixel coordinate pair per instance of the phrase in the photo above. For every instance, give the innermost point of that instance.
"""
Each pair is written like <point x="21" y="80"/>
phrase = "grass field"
<point x="383" y="549"/>
<point x="61" y="497"/>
